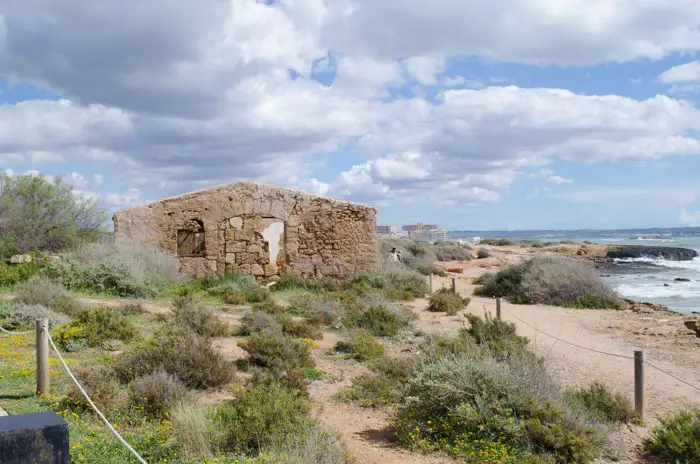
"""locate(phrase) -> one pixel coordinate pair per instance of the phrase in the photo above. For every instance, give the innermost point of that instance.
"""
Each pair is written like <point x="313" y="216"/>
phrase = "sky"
<point x="475" y="115"/>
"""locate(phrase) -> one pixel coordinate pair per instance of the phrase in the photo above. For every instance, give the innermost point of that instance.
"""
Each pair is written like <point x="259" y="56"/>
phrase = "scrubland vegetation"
<point x="553" y="280"/>
<point x="482" y="396"/>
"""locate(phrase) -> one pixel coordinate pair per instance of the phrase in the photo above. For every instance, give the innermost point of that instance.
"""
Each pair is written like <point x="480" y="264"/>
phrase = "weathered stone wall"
<point x="259" y="229"/>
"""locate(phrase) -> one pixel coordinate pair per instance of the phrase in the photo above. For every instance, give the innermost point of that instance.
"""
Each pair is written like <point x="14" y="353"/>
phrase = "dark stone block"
<point x="38" y="438"/>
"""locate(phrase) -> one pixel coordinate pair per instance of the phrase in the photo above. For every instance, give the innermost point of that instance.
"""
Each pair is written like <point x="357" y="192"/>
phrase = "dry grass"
<point x="192" y="432"/>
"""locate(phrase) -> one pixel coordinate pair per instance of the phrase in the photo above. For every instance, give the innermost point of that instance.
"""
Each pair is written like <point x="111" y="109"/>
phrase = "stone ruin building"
<point x="256" y="229"/>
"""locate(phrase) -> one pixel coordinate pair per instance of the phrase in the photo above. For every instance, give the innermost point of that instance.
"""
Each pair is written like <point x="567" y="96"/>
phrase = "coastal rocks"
<point x="681" y="279"/>
<point x="693" y="325"/>
<point x="640" y="251"/>
<point x="640" y="307"/>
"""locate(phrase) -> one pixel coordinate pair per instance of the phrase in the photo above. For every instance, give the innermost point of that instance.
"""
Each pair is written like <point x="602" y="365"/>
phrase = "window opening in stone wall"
<point x="190" y="240"/>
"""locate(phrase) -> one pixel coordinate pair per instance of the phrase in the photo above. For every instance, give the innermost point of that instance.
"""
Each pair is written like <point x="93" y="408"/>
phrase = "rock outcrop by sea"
<point x="657" y="252"/>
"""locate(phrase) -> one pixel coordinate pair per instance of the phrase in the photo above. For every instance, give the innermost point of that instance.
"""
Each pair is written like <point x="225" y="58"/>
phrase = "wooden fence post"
<point x="498" y="308"/>
<point x="430" y="281"/>
<point x="42" y="357"/>
<point x="639" y="383"/>
<point x="454" y="285"/>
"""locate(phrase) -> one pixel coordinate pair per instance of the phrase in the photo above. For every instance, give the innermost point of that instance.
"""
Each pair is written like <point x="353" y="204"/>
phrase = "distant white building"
<point x="386" y="230"/>
<point x="434" y="235"/>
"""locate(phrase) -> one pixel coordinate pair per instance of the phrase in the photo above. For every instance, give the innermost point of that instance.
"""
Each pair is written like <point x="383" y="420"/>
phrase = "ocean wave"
<point x="693" y="264"/>
<point x="684" y="291"/>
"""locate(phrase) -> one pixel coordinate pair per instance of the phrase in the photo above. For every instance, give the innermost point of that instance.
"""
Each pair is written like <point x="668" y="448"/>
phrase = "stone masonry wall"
<point x="259" y="229"/>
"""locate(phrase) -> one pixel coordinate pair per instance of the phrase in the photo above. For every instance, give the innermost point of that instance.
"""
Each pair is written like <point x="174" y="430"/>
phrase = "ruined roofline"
<point x="194" y="193"/>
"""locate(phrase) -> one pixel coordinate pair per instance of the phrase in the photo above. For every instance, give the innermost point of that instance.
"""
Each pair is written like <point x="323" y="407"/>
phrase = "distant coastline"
<point x="545" y="234"/>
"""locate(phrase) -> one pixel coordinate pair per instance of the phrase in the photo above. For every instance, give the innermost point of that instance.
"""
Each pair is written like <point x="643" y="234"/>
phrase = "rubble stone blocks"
<point x="259" y="229"/>
<point x="40" y="438"/>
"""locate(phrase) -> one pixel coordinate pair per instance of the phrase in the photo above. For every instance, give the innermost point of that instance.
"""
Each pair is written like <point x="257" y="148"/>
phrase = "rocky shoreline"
<point x="657" y="252"/>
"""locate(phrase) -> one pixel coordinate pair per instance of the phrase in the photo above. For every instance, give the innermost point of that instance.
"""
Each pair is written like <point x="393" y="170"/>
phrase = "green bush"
<point x="380" y="321"/>
<point x="262" y="416"/>
<point x="202" y="320"/>
<point x="157" y="393"/>
<point x="15" y="316"/>
<point x="120" y="269"/>
<point x="483" y="253"/>
<point x="326" y="308"/>
<point x="444" y="301"/>
<point x="382" y="388"/>
<point x="293" y="282"/>
<point x="14" y="274"/>
<point x="181" y="353"/>
<point x="363" y="347"/>
<point x="369" y="391"/>
<point x="103" y="389"/>
<point x="676" y="439"/>
<point x="230" y="288"/>
<point x="473" y="405"/>
<point x="402" y="283"/>
<point x="256" y="321"/>
<point x="45" y="292"/>
<point x="608" y="406"/>
<point x="94" y="328"/>
<point x="497" y="335"/>
<point x="550" y="280"/>
<point x="497" y="242"/>
<point x="283" y="357"/>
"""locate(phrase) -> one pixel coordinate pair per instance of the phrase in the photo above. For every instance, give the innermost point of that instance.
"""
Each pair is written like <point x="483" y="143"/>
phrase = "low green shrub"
<point x="14" y="274"/>
<point x="256" y="321"/>
<point x="325" y="308"/>
<point x="262" y="416"/>
<point x="401" y="284"/>
<point x="103" y="389"/>
<point x="497" y="335"/>
<point x="121" y="269"/>
<point x="192" y="314"/>
<point x="483" y="253"/>
<point x="552" y="280"/>
<point x="15" y="316"/>
<point x="474" y="406"/>
<point x="445" y="301"/>
<point x="157" y="393"/>
<point x="94" y="328"/>
<point x="369" y="391"/>
<point x="282" y="356"/>
<point x="379" y="321"/>
<point x="497" y="242"/>
<point x="293" y="282"/>
<point x="676" y="439"/>
<point x="45" y="292"/>
<point x="607" y="405"/>
<point x="363" y="347"/>
<point x="181" y="353"/>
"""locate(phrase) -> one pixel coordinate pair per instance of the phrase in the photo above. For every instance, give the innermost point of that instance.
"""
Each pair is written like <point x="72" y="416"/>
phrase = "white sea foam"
<point x="643" y="292"/>
<point x="691" y="265"/>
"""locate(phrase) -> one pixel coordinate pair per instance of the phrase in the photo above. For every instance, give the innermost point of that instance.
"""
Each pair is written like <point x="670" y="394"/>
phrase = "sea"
<point x="655" y="280"/>
<point x="644" y="279"/>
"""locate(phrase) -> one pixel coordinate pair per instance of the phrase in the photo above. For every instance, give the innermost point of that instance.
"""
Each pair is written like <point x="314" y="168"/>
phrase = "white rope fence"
<point x="601" y="352"/>
<point x="9" y="332"/>
<point x="87" y="397"/>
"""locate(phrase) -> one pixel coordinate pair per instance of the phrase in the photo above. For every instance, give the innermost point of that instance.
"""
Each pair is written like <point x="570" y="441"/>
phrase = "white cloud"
<point x="425" y="69"/>
<point x="690" y="218"/>
<point x="689" y="72"/>
<point x="559" y="180"/>
<point x="173" y="94"/>
<point x="544" y="31"/>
